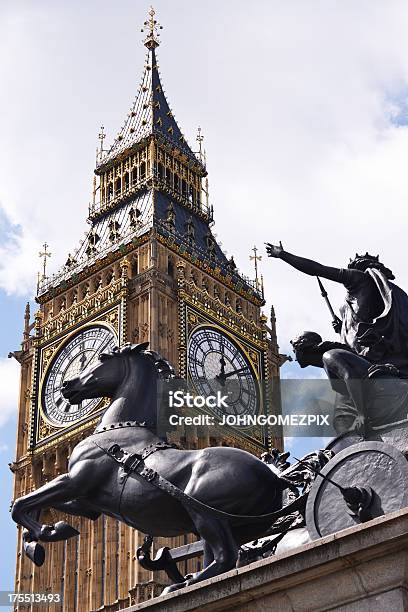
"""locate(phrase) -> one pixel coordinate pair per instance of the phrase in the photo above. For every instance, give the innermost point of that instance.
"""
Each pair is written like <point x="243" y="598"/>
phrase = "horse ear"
<point x="138" y="348"/>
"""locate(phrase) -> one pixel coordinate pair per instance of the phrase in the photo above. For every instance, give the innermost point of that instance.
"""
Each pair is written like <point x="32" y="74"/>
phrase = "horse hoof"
<point x="35" y="552"/>
<point x="65" y="531"/>
<point x="174" y="587"/>
<point x="59" y="531"/>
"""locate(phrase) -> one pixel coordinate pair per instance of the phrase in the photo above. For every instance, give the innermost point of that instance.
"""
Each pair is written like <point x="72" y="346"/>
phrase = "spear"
<point x="326" y="299"/>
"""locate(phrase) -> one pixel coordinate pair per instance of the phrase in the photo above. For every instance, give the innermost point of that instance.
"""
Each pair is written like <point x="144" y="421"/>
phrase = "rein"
<point x="134" y="463"/>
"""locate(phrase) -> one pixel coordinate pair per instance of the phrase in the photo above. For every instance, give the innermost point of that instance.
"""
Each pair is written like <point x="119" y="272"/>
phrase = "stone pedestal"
<point x="361" y="569"/>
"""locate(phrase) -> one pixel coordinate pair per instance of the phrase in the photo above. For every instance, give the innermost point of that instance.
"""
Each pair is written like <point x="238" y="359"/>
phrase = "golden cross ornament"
<point x="255" y="258"/>
<point x="44" y="254"/>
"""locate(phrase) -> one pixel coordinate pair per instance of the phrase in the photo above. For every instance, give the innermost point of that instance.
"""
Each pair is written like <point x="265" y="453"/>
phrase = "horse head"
<point x="105" y="377"/>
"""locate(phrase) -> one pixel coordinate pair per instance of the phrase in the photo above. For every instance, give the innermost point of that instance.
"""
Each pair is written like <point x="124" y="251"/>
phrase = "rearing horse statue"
<point x="225" y="496"/>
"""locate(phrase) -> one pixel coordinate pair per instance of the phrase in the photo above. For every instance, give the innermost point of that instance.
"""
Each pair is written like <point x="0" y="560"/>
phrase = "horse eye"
<point x="104" y="357"/>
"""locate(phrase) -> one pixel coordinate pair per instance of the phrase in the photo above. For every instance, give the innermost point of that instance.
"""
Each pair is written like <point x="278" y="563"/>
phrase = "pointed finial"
<point x="151" y="27"/>
<point x="44" y="254"/>
<point x="101" y="136"/>
<point x="199" y="139"/>
<point x="26" y="333"/>
<point x="255" y="258"/>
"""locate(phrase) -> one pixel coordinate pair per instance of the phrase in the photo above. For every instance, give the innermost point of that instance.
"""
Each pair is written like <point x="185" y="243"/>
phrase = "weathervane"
<point x="255" y="258"/>
<point x="151" y="27"/>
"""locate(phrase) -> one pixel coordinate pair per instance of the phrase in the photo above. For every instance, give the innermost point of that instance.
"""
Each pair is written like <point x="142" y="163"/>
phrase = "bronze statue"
<point x="224" y="495"/>
<point x="374" y="340"/>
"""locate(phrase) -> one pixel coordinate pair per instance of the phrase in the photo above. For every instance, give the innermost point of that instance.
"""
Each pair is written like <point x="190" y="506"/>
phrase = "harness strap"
<point x="133" y="463"/>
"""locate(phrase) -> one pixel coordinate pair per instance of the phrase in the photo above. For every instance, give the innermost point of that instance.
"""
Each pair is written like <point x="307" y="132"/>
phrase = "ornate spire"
<point x="150" y="113"/>
<point x="151" y="27"/>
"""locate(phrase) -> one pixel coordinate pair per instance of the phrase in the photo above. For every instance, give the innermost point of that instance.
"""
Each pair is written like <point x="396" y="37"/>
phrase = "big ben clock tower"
<point x="149" y="269"/>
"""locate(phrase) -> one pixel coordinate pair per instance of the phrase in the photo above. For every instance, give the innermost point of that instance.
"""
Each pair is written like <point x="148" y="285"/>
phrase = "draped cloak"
<point x="385" y="338"/>
<point x="381" y="340"/>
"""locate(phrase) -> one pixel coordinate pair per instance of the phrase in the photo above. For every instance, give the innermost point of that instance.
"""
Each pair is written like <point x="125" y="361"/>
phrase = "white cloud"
<point x="19" y="265"/>
<point x="9" y="385"/>
<point x="297" y="102"/>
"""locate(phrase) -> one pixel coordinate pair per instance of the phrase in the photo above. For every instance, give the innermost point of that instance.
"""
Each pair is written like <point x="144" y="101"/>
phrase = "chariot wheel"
<point x="376" y="468"/>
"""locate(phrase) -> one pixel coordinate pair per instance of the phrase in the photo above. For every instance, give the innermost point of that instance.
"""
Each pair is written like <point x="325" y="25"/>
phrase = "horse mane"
<point x="163" y="366"/>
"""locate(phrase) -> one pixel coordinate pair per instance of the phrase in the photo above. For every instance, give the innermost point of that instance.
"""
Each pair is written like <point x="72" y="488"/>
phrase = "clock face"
<point x="216" y="363"/>
<point x="76" y="355"/>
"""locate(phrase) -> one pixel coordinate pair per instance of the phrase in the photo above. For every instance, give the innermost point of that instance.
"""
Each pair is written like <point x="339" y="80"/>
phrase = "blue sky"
<point x="303" y="107"/>
<point x="11" y="313"/>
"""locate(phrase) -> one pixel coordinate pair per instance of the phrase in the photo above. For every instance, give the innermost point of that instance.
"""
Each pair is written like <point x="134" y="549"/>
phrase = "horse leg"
<point x="208" y="555"/>
<point x="32" y="548"/>
<point x="60" y="489"/>
<point x="221" y="550"/>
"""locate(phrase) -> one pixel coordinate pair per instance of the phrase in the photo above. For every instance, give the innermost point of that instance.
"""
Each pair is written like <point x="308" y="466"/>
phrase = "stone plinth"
<point x="361" y="569"/>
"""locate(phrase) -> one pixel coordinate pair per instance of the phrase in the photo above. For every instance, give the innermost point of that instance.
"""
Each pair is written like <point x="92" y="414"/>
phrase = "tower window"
<point x="134" y="176"/>
<point x="114" y="227"/>
<point x="135" y="266"/>
<point x="126" y="177"/>
<point x="170" y="267"/>
<point x="190" y="230"/>
<point x="118" y="185"/>
<point x="134" y="214"/>
<point x="142" y="170"/>
<point x="170" y="216"/>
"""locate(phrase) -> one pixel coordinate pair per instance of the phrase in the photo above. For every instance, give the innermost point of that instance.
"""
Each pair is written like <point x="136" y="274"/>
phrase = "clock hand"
<point x="96" y="354"/>
<point x="223" y="363"/>
<point x="236" y="371"/>
<point x="82" y="359"/>
<point x="228" y="374"/>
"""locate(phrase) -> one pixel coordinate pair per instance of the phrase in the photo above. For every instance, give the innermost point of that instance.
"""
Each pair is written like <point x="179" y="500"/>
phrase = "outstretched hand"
<point x="272" y="250"/>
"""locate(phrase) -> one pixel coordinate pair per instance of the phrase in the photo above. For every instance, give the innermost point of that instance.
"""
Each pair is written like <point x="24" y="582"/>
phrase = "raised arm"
<point x="307" y="266"/>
